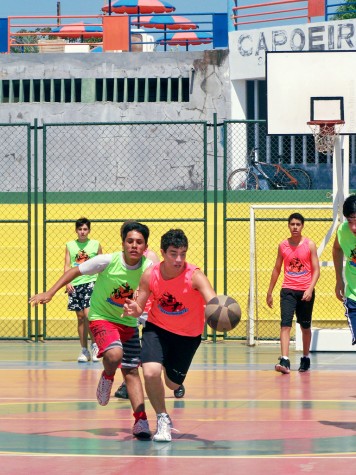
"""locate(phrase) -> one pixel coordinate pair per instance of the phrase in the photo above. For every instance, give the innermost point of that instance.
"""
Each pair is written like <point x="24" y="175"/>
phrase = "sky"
<point x="93" y="7"/>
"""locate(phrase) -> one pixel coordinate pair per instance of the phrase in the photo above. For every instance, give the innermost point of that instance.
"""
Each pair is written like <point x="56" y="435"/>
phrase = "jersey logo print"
<point x="296" y="267"/>
<point x="118" y="296"/>
<point x="353" y="257"/>
<point x="169" y="305"/>
<point x="80" y="257"/>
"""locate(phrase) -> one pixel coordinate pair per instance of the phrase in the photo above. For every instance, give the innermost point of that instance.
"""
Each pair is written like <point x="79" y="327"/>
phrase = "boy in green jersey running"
<point x="116" y="335"/>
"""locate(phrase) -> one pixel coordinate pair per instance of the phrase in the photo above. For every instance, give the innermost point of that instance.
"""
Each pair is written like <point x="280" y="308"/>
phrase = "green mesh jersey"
<point x="113" y="286"/>
<point x="347" y="241"/>
<point x="80" y="252"/>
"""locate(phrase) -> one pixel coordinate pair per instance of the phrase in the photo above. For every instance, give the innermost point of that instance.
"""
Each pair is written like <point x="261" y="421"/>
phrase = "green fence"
<point x="165" y="174"/>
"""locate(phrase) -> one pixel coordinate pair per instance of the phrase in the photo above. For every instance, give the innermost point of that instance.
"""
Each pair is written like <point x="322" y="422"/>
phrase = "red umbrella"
<point x="186" y="38"/>
<point x="167" y="22"/>
<point x="78" y="30"/>
<point x="140" y="6"/>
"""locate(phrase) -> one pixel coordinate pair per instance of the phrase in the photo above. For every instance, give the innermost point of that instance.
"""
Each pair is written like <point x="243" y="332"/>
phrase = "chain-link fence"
<point x="15" y="218"/>
<point x="250" y="253"/>
<point x="154" y="173"/>
<point x="165" y="175"/>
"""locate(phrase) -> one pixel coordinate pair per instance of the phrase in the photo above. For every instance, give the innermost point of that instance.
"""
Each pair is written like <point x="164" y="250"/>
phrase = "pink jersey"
<point x="176" y="306"/>
<point x="297" y="265"/>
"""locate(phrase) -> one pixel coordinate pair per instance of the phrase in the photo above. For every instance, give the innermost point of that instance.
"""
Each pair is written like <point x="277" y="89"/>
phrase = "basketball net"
<point x="325" y="133"/>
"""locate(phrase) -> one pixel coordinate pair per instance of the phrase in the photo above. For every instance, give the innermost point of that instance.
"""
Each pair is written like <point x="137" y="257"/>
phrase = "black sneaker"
<point x="121" y="392"/>
<point x="304" y="364"/>
<point x="179" y="393"/>
<point x="283" y="366"/>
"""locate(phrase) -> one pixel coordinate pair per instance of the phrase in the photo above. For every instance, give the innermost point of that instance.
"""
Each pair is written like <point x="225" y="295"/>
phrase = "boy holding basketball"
<point x="172" y="334"/>
<point x="116" y="335"/>
<point x="299" y="256"/>
<point x="345" y="246"/>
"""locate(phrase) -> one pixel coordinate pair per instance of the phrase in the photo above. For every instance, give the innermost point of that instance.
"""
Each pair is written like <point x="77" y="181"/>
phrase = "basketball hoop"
<point x="325" y="133"/>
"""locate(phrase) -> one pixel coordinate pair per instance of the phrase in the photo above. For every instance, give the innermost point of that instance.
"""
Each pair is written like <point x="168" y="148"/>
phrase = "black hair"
<point x="175" y="238"/>
<point x="349" y="206"/>
<point x="81" y="221"/>
<point x="297" y="216"/>
<point x="134" y="226"/>
<point x="124" y="224"/>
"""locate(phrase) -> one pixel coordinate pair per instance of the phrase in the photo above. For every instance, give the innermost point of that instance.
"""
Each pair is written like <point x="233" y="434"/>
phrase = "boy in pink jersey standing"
<point x="172" y="334"/>
<point x="298" y="254"/>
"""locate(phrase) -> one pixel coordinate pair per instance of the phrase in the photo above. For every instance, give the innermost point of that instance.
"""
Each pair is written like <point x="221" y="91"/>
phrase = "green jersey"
<point x="80" y="252"/>
<point x="113" y="286"/>
<point x="347" y="241"/>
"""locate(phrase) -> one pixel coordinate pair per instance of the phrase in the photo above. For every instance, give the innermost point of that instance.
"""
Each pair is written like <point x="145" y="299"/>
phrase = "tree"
<point x="345" y="11"/>
<point x="23" y="38"/>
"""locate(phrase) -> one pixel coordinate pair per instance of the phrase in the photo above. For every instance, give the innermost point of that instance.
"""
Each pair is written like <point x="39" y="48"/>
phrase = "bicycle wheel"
<point x="242" y="179"/>
<point x="303" y="180"/>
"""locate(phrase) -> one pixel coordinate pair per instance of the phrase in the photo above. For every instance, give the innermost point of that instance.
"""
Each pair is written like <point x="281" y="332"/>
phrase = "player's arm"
<point x="135" y="308"/>
<point x="315" y="271"/>
<point x="69" y="287"/>
<point x="338" y="258"/>
<point x="100" y="249"/>
<point x="90" y="267"/>
<point x="201" y="283"/>
<point x="274" y="277"/>
<point x="46" y="297"/>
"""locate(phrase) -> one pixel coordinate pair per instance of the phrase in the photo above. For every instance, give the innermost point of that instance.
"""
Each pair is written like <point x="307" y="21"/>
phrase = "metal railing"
<point x="33" y="34"/>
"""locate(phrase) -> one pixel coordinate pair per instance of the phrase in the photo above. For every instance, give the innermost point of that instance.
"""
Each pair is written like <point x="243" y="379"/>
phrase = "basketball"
<point x="222" y="313"/>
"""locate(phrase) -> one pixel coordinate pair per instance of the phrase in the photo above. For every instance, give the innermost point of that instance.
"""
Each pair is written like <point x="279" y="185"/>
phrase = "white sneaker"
<point x="141" y="429"/>
<point x="94" y="353"/>
<point x="163" y="433"/>
<point x="104" y="390"/>
<point x="84" y="356"/>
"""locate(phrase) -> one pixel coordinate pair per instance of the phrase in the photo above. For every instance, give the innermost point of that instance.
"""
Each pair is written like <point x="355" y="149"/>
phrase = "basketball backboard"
<point x="307" y="86"/>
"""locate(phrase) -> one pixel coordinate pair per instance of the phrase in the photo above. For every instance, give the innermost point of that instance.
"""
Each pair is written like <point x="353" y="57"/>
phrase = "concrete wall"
<point x="208" y="72"/>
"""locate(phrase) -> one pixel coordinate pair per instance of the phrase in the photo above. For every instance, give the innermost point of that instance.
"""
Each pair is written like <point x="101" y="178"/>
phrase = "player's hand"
<point x="131" y="309"/>
<point x="307" y="295"/>
<point x="339" y="291"/>
<point x="69" y="288"/>
<point x="37" y="299"/>
<point x="269" y="300"/>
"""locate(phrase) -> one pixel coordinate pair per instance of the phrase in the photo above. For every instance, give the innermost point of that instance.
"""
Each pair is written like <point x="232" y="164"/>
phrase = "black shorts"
<point x="291" y="302"/>
<point x="79" y="299"/>
<point x="174" y="352"/>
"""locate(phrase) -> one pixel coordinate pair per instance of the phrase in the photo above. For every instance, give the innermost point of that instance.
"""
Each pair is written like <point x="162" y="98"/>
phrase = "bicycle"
<point x="276" y="176"/>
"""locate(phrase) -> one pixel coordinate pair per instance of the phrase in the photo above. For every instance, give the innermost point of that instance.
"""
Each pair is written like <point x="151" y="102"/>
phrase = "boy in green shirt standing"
<point x="80" y="289"/>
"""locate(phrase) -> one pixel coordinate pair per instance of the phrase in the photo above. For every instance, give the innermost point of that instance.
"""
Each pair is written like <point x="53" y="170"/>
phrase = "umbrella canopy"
<point x="140" y="6"/>
<point x="97" y="49"/>
<point x="78" y="30"/>
<point x="185" y="38"/>
<point x="167" y="22"/>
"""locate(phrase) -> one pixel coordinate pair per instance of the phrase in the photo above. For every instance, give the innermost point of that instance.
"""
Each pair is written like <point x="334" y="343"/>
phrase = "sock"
<point x="285" y="357"/>
<point x="140" y="415"/>
<point x="306" y="356"/>
<point x="163" y="414"/>
<point x="108" y="377"/>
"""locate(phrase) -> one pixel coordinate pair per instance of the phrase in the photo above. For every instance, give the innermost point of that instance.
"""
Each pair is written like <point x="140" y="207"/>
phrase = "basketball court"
<point x="237" y="414"/>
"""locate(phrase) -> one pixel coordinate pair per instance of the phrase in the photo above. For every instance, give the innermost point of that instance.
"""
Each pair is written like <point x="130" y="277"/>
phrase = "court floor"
<point x="237" y="414"/>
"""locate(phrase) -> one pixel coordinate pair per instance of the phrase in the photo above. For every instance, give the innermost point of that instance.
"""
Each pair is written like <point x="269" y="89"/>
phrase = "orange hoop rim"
<point x="326" y="122"/>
